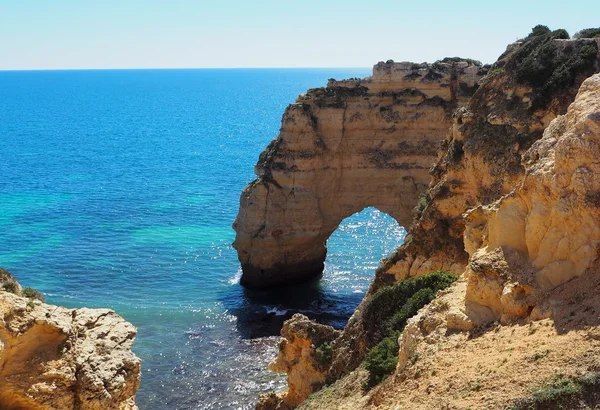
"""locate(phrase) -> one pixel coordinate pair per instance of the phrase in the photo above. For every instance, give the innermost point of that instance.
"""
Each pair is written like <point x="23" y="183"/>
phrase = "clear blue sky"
<point x="64" y="34"/>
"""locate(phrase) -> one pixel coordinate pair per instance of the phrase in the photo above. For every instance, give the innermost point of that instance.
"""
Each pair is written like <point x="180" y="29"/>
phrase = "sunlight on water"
<point x="119" y="189"/>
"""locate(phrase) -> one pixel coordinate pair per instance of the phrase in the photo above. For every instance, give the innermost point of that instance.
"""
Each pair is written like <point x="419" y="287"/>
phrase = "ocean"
<point x="118" y="189"/>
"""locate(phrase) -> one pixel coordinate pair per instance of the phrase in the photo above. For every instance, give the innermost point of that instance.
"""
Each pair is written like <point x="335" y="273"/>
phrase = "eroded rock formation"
<point x="305" y="356"/>
<point x="65" y="359"/>
<point x="546" y="231"/>
<point x="534" y="266"/>
<point x="514" y="213"/>
<point x="351" y="145"/>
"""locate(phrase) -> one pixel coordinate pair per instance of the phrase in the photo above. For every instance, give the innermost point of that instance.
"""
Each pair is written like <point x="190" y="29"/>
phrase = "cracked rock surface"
<point x="57" y="358"/>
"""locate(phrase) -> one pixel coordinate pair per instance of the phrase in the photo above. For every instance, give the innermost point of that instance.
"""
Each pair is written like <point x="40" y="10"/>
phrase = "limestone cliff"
<point x="353" y="144"/>
<point x="480" y="161"/>
<point x="530" y="287"/>
<point x="512" y="208"/>
<point x="65" y="359"/>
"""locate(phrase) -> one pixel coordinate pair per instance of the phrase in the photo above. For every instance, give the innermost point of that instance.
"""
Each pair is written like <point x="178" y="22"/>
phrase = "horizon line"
<point x="179" y="68"/>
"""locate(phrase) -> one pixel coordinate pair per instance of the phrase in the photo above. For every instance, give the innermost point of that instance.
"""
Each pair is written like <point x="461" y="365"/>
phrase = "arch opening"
<point x="355" y="248"/>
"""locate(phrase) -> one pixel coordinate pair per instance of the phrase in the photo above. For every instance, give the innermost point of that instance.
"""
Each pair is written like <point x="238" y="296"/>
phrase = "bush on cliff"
<point x="563" y="393"/>
<point x="382" y="360"/>
<point x="387" y="302"/>
<point x="31" y="293"/>
<point x="548" y="66"/>
<point x="451" y="60"/>
<point x="386" y="314"/>
<point x="10" y="286"/>
<point x="588" y="33"/>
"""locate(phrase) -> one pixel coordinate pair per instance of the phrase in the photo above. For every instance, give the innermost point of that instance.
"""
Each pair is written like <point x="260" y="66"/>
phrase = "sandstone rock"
<point x="343" y="148"/>
<point x="551" y="220"/>
<point x="57" y="358"/>
<point x="305" y="355"/>
<point x="508" y="247"/>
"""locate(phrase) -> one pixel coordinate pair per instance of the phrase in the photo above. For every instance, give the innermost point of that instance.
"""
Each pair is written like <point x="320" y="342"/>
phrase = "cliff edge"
<point x="64" y="359"/>
<point x="351" y="145"/>
<point x="511" y="210"/>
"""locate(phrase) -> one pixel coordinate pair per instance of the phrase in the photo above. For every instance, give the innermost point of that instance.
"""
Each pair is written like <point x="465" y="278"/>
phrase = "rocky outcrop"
<point x="528" y="296"/>
<point x="351" y="145"/>
<point x="480" y="161"/>
<point x="547" y="231"/>
<point x="66" y="359"/>
<point x="502" y="201"/>
<point x="305" y="356"/>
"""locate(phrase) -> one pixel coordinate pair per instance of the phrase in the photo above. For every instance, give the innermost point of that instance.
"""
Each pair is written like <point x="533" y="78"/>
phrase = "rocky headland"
<point x="52" y="357"/>
<point x="354" y="144"/>
<point x="492" y="300"/>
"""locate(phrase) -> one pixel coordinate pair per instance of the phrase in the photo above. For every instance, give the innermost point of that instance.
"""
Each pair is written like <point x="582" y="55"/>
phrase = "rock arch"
<point x="351" y="145"/>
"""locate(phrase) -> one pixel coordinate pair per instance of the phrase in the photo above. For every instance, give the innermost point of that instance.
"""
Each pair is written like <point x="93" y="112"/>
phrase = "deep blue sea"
<point x="118" y="189"/>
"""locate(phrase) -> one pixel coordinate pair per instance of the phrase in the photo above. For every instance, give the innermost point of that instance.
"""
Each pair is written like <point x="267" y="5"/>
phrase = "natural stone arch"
<point x="352" y="145"/>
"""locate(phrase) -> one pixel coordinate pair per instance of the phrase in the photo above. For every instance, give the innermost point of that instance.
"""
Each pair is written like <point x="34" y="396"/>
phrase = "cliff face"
<point x="511" y="212"/>
<point x="546" y="232"/>
<point x="57" y="358"/>
<point x="351" y="145"/>
<point x="530" y="288"/>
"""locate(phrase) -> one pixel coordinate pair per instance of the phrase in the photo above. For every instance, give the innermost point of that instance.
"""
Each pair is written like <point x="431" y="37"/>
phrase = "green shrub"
<point x="383" y="305"/>
<point x="588" y="33"/>
<point x="458" y="60"/>
<point x="323" y="355"/>
<point x="411" y="307"/>
<point x="563" y="393"/>
<point x="539" y="30"/>
<point x="10" y="286"/>
<point x="386" y="314"/>
<point x="541" y="63"/>
<point x="424" y="200"/>
<point x="382" y="359"/>
<point x="32" y="294"/>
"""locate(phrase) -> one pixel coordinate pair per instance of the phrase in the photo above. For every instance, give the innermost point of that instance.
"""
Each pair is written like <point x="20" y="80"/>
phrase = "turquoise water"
<point x="118" y="189"/>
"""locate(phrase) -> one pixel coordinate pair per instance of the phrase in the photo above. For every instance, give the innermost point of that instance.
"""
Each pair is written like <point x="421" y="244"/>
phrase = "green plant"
<point x="382" y="359"/>
<point x="556" y="391"/>
<point x="32" y="294"/>
<point x="382" y="307"/>
<point x="477" y="385"/>
<point x="458" y="60"/>
<point x="411" y="307"/>
<point x="414" y="357"/>
<point x="547" y="66"/>
<point x="562" y="393"/>
<point x="30" y="304"/>
<point x="323" y="355"/>
<point x="386" y="314"/>
<point x="588" y="33"/>
<point x="10" y="286"/>
<point x="424" y="200"/>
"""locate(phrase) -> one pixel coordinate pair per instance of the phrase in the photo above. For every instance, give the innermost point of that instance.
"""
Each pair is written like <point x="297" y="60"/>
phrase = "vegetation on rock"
<point x="563" y="393"/>
<point x="588" y="33"/>
<point x="459" y="60"/>
<point x="386" y="314"/>
<point x="10" y="286"/>
<point x="548" y="66"/>
<point x="323" y="355"/>
<point x="32" y="294"/>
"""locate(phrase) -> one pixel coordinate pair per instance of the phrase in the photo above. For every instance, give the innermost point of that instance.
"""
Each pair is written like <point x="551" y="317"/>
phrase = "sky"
<point x="86" y="34"/>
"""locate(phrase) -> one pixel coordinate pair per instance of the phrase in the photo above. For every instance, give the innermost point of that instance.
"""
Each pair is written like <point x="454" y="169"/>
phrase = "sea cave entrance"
<point x="354" y="250"/>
